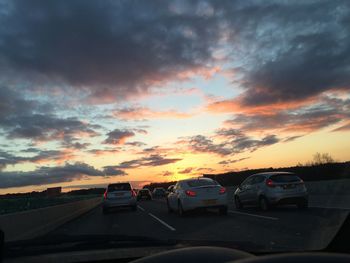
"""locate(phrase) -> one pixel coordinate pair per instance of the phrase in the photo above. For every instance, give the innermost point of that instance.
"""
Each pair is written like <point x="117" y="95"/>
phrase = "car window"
<point x="198" y="183"/>
<point x="248" y="181"/>
<point x="284" y="178"/>
<point x="258" y="179"/>
<point x="119" y="187"/>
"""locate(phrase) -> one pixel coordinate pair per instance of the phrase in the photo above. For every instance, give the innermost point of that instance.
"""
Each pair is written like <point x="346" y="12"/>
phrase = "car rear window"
<point x="160" y="190"/>
<point x="119" y="187"/>
<point x="284" y="178"/>
<point x="197" y="183"/>
<point x="144" y="191"/>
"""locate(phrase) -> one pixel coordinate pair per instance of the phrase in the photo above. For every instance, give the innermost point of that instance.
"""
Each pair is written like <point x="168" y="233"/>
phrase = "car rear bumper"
<point x="192" y="203"/>
<point x="288" y="199"/>
<point x="119" y="203"/>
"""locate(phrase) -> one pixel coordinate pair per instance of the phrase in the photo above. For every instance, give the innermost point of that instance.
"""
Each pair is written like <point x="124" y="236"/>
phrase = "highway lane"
<point x="283" y="228"/>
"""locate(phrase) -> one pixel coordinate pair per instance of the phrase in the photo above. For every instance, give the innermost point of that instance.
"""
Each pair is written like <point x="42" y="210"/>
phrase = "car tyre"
<point x="238" y="203"/>
<point x="180" y="209"/>
<point x="223" y="210"/>
<point x="264" y="204"/>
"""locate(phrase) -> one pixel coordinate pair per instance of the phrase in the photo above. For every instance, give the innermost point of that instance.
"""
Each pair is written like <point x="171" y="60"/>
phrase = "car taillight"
<point x="190" y="193"/>
<point x="222" y="190"/>
<point x="270" y="183"/>
<point x="105" y="195"/>
<point x="133" y="193"/>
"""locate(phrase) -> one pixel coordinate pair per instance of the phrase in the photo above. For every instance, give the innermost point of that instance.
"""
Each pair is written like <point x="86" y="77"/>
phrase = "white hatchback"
<point x="198" y="193"/>
<point x="119" y="195"/>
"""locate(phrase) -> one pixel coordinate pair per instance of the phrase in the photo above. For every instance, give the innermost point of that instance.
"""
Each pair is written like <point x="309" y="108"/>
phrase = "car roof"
<point x="119" y="183"/>
<point x="195" y="178"/>
<point x="272" y="173"/>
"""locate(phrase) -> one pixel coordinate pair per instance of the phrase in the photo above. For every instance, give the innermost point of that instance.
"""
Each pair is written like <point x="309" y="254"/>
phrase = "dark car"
<point x="144" y="194"/>
<point x="159" y="192"/>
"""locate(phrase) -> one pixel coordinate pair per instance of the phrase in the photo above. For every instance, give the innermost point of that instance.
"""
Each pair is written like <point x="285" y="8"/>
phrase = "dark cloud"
<point x="113" y="171"/>
<point x="24" y="118"/>
<point x="48" y="175"/>
<point x="41" y="156"/>
<point x="302" y="120"/>
<point x="152" y="160"/>
<point x="136" y="144"/>
<point x="187" y="170"/>
<point x="167" y="173"/>
<point x="230" y="161"/>
<point x="202" y="144"/>
<point x="115" y="49"/>
<point x="233" y="143"/>
<point x="118" y="137"/>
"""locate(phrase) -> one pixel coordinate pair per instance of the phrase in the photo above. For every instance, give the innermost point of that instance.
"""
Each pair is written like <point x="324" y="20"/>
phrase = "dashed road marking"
<point x="162" y="222"/>
<point x="141" y="208"/>
<point x="254" y="215"/>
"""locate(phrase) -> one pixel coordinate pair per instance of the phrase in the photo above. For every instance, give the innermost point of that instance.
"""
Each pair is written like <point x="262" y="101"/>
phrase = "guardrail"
<point x="36" y="222"/>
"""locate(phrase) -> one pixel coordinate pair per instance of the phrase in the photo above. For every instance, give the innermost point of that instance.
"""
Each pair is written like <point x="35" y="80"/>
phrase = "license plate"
<point x="209" y="202"/>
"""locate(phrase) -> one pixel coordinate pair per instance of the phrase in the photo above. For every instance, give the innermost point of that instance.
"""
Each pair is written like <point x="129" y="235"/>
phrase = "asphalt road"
<point x="282" y="228"/>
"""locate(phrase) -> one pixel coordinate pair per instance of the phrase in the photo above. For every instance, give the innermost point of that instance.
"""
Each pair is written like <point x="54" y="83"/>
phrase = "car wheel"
<point x="303" y="205"/>
<point x="238" y="203"/>
<point x="169" y="208"/>
<point x="263" y="204"/>
<point x="180" y="209"/>
<point x="223" y="210"/>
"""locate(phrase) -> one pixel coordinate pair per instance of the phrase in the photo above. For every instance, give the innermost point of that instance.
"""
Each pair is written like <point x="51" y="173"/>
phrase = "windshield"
<point x="119" y="187"/>
<point x="284" y="178"/>
<point x="186" y="100"/>
<point x="198" y="183"/>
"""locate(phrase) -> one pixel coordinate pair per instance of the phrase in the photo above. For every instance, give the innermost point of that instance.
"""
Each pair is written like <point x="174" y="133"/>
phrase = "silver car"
<point x="119" y="195"/>
<point x="271" y="188"/>
<point x="198" y="193"/>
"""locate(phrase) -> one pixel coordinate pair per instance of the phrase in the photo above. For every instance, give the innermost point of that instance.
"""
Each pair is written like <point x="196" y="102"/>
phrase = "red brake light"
<point x="222" y="190"/>
<point x="105" y="195"/>
<point x="190" y="193"/>
<point x="270" y="183"/>
<point x="133" y="193"/>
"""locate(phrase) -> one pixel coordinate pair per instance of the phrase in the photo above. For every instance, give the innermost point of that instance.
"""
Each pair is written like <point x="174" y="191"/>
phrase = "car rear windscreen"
<point x="119" y="187"/>
<point x="198" y="183"/>
<point x="284" y="178"/>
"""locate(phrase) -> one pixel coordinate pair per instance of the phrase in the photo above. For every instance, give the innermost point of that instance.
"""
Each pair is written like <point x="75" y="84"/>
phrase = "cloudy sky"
<point x="93" y="92"/>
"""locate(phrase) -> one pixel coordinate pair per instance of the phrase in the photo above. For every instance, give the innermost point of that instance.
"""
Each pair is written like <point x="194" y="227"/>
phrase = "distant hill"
<point x="329" y="171"/>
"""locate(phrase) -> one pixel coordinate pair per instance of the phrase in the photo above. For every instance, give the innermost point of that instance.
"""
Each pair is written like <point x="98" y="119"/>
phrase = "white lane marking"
<point x="330" y="207"/>
<point x="162" y="222"/>
<point x="259" y="216"/>
<point x="142" y="209"/>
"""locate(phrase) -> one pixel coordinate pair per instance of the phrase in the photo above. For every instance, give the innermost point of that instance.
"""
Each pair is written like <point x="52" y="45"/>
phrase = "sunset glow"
<point x="91" y="96"/>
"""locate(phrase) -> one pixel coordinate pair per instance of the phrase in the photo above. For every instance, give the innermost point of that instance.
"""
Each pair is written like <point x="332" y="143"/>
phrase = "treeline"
<point x="320" y="172"/>
<point x="165" y="185"/>
<point x="91" y="191"/>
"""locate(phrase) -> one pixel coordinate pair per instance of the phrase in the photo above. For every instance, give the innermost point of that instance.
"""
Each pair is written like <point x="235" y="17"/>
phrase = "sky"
<point x="93" y="92"/>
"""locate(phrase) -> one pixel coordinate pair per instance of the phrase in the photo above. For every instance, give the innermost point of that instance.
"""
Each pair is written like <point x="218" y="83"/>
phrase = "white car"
<point x="119" y="195"/>
<point x="191" y="194"/>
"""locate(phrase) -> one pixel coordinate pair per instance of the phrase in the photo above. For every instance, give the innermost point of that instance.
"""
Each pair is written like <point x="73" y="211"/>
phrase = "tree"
<point x="322" y="158"/>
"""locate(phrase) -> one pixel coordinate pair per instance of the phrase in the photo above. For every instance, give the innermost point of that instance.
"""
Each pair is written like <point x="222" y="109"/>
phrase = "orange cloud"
<point x="237" y="105"/>
<point x="140" y="113"/>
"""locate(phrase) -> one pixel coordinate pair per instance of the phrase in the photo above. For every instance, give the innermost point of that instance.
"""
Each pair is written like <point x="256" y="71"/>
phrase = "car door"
<point x="172" y="197"/>
<point x="254" y="189"/>
<point x="243" y="192"/>
<point x="249" y="190"/>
